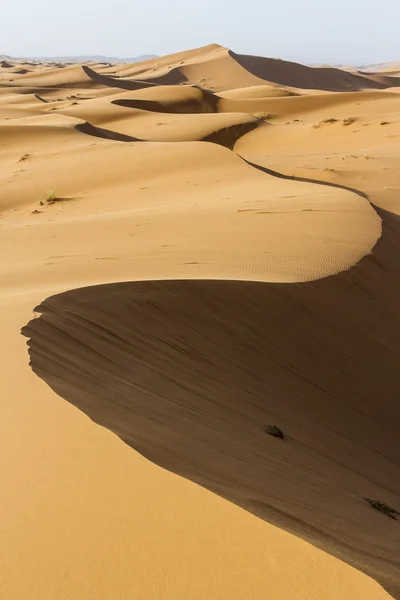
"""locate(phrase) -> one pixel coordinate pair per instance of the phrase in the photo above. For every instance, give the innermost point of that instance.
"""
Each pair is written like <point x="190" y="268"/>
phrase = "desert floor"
<point x="192" y="249"/>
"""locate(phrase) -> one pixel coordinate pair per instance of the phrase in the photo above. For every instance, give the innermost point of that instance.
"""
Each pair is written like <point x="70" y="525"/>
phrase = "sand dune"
<point x="199" y="369"/>
<point x="218" y="68"/>
<point x="175" y="99"/>
<point x="356" y="145"/>
<point x="113" y="81"/>
<point x="211" y="243"/>
<point x="257" y="91"/>
<point x="221" y="129"/>
<point x="72" y="77"/>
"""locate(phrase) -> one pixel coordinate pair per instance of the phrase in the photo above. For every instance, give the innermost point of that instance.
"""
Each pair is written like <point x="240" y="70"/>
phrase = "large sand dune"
<point x="211" y="242"/>
<point x="189" y="373"/>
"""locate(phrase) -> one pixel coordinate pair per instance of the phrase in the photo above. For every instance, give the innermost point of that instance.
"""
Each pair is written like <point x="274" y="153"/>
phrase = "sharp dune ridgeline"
<point x="201" y="252"/>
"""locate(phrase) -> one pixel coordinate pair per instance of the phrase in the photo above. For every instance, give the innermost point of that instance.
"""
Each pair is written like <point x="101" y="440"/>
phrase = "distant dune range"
<point x="214" y="242"/>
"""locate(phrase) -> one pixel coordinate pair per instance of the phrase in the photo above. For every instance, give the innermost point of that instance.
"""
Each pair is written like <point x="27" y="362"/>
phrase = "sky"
<point x="356" y="32"/>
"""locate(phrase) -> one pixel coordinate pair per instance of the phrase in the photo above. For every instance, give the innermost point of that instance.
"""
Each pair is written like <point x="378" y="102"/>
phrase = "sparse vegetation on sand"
<point x="383" y="508"/>
<point x="349" y="121"/>
<point x="274" y="431"/>
<point x="264" y="116"/>
<point x="51" y="198"/>
<point x="329" y="121"/>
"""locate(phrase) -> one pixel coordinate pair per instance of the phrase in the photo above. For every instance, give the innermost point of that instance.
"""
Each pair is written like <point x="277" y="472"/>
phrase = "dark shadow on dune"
<point x="174" y="77"/>
<point x="300" y="76"/>
<point x="385" y="79"/>
<point x="226" y="136"/>
<point x="40" y="98"/>
<point x="212" y="100"/>
<point x="208" y="104"/>
<point x="304" y="179"/>
<point x="123" y="84"/>
<point x="190" y="373"/>
<point x="22" y="71"/>
<point x="159" y="107"/>
<point x="106" y="134"/>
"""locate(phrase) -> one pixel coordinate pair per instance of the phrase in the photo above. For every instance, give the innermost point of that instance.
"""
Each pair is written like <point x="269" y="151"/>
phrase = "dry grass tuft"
<point x="349" y="121"/>
<point x="383" y="508"/>
<point x="274" y="431"/>
<point x="51" y="198"/>
<point x="264" y="116"/>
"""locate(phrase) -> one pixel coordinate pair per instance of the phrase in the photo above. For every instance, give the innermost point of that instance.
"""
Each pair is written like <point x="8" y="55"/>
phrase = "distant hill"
<point x="84" y="58"/>
<point x="388" y="66"/>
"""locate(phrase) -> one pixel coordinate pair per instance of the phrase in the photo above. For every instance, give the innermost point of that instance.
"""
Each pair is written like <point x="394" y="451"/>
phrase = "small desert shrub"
<point x="23" y="157"/>
<point x="383" y="508"/>
<point x="349" y="121"/>
<point x="264" y="116"/>
<point x="329" y="121"/>
<point x="49" y="199"/>
<point x="385" y="123"/>
<point x="274" y="431"/>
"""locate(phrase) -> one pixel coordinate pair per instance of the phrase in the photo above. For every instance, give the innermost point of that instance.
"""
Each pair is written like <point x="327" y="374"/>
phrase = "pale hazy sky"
<point x="338" y="31"/>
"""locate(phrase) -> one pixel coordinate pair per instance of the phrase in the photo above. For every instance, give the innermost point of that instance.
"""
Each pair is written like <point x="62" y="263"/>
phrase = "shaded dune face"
<point x="190" y="373"/>
<point x="174" y="77"/>
<point x="191" y="100"/>
<point x="301" y="76"/>
<point x="123" y="84"/>
<point x="106" y="134"/>
<point x="225" y="136"/>
<point x="151" y="105"/>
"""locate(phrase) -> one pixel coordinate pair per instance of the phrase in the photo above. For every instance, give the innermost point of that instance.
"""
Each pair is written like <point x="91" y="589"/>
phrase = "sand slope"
<point x="200" y="234"/>
<point x="198" y="369"/>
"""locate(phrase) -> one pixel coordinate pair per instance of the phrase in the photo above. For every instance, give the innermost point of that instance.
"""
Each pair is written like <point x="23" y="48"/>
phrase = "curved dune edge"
<point x="124" y="84"/>
<point x="223" y="136"/>
<point x="173" y="77"/>
<point x="259" y="92"/>
<point x="287" y="73"/>
<point x="158" y="107"/>
<point x="358" y="235"/>
<point x="106" y="134"/>
<point x="189" y="373"/>
<point x="172" y="99"/>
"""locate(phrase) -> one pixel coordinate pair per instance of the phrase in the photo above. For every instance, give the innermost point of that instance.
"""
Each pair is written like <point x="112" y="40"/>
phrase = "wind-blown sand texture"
<point x="195" y="248"/>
